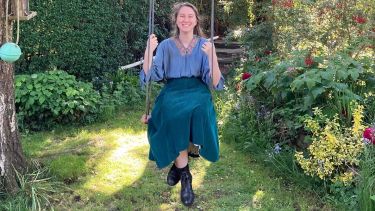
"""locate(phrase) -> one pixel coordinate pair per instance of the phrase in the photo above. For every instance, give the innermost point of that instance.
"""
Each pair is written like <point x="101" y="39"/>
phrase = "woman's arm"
<point x="210" y="51"/>
<point x="153" y="69"/>
<point x="152" y="43"/>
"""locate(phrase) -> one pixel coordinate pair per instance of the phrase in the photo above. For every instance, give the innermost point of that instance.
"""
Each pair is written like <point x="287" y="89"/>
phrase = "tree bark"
<point x="11" y="154"/>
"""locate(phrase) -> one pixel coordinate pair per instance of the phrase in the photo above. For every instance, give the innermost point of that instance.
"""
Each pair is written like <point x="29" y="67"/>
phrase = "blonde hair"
<point x="176" y="9"/>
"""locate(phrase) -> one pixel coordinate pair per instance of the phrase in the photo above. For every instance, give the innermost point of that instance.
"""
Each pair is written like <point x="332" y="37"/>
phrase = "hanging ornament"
<point x="10" y="52"/>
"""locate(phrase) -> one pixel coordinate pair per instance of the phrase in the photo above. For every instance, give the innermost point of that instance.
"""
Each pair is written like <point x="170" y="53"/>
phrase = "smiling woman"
<point x="183" y="114"/>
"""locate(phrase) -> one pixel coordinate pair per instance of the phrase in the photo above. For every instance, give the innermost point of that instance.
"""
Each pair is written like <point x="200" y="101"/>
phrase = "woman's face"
<point x="186" y="19"/>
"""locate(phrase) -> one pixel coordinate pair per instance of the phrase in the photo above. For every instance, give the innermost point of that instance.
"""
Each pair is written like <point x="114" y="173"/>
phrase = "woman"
<point x="183" y="111"/>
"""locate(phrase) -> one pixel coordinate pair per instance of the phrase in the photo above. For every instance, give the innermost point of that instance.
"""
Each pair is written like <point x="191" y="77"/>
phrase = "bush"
<point x="45" y="99"/>
<point x="118" y="90"/>
<point x="245" y="122"/>
<point x="80" y="37"/>
<point x="335" y="150"/>
<point x="292" y="87"/>
<point x="86" y="37"/>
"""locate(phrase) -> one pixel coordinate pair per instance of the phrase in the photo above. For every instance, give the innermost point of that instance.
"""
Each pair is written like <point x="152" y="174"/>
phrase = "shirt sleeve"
<point x="156" y="72"/>
<point x="206" y="75"/>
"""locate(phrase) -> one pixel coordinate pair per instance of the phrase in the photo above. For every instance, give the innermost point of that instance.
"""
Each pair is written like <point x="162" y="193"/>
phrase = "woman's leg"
<point x="174" y="174"/>
<point x="182" y="160"/>
<point x="180" y="172"/>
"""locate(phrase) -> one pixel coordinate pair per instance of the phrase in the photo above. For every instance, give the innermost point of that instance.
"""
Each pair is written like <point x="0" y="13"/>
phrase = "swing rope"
<point x="151" y="25"/>
<point x="6" y="22"/>
<point x="212" y="42"/>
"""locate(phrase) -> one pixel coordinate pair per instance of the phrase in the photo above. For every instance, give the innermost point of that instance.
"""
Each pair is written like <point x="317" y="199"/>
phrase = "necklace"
<point x="186" y="50"/>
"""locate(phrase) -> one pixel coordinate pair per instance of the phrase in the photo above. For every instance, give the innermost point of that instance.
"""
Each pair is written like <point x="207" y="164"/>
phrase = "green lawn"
<point x="106" y="167"/>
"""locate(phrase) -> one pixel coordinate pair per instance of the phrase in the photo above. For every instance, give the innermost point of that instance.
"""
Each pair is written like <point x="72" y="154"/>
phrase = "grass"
<point x="115" y="173"/>
<point x="366" y="187"/>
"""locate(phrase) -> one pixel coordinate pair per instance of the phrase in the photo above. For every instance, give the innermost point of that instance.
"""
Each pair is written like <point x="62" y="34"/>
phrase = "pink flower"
<point x="369" y="134"/>
<point x="309" y="61"/>
<point x="246" y="76"/>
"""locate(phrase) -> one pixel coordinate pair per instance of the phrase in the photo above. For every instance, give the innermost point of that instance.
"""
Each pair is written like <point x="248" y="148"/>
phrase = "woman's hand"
<point x="207" y="48"/>
<point x="145" y="118"/>
<point x="153" y="42"/>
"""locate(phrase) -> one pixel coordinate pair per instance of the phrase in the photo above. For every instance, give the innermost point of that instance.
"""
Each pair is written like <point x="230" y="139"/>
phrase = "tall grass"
<point x="35" y="192"/>
<point x="366" y="186"/>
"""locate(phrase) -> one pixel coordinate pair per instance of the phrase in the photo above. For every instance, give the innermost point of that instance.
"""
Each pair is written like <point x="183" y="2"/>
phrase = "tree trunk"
<point x="11" y="154"/>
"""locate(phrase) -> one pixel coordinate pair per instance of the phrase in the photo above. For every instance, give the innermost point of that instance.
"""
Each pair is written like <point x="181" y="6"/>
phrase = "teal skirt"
<point x="183" y="113"/>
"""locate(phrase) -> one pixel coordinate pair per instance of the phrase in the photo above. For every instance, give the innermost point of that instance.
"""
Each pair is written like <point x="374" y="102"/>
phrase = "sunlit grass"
<point x="121" y="166"/>
<point x="119" y="175"/>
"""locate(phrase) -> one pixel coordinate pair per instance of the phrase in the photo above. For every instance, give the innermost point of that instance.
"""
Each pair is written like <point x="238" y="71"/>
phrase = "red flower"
<point x="268" y="52"/>
<point x="257" y="59"/>
<point x="369" y="134"/>
<point x="309" y="61"/>
<point x="246" y="76"/>
<point x="359" y="19"/>
<point x="288" y="4"/>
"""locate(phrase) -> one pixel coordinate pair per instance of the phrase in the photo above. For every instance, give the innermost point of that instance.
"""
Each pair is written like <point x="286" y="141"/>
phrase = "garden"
<point x="296" y="118"/>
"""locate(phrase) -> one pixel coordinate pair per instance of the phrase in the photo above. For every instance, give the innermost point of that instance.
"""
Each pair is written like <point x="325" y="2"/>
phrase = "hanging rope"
<point x="151" y="23"/>
<point x="6" y="21"/>
<point x="18" y="22"/>
<point x="212" y="42"/>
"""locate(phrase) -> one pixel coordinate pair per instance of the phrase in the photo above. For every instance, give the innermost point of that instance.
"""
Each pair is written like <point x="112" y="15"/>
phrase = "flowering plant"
<point x="335" y="149"/>
<point x="369" y="135"/>
<point x="246" y="75"/>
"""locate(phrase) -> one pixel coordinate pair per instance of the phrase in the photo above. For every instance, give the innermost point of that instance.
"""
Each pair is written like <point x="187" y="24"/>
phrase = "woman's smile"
<point x="186" y="19"/>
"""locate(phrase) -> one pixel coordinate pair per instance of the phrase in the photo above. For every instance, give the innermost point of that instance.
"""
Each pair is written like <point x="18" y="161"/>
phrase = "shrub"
<point x="86" y="37"/>
<point x="335" y="150"/>
<point x="245" y="122"/>
<point x="80" y="37"/>
<point x="45" y="99"/>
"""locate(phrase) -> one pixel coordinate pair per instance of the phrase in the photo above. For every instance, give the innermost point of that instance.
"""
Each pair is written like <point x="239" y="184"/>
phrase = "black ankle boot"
<point x="187" y="194"/>
<point x="174" y="175"/>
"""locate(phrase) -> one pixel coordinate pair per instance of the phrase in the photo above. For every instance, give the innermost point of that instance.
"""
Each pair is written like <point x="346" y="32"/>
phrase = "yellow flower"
<point x="334" y="147"/>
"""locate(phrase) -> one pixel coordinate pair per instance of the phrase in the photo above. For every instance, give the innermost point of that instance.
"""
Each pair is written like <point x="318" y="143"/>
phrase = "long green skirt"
<point x="183" y="113"/>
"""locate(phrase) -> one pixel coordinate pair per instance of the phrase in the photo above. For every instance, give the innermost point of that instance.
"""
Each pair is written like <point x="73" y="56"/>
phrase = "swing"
<point x="193" y="150"/>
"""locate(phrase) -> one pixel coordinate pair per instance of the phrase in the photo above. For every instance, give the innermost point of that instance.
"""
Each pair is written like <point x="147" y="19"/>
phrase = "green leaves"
<point x="333" y="83"/>
<point x="54" y="97"/>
